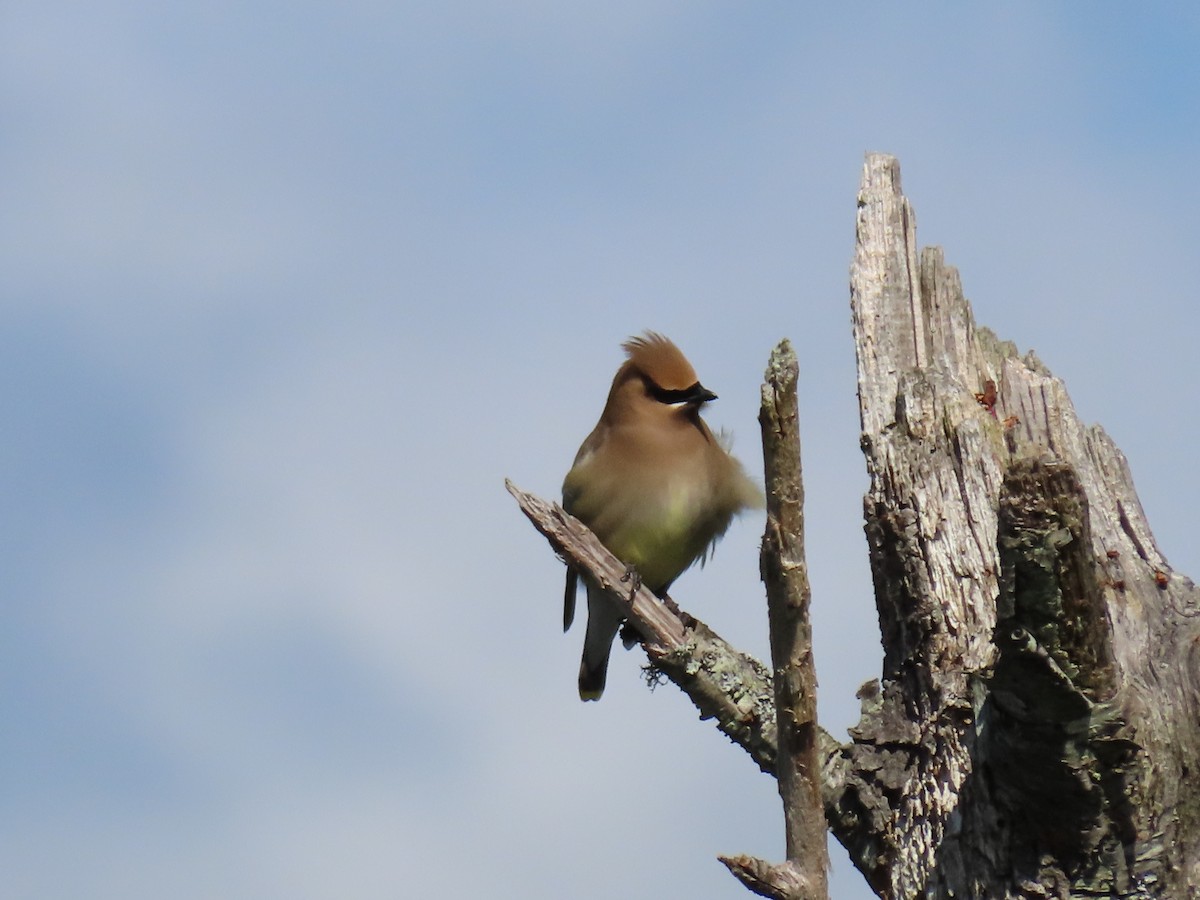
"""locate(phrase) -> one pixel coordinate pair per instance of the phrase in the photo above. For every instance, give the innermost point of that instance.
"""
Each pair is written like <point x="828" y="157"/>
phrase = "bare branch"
<point x="779" y="882"/>
<point x="785" y="574"/>
<point x="726" y="685"/>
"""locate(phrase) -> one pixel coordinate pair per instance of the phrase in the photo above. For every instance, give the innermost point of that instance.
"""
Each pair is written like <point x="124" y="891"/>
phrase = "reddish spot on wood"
<point x="987" y="397"/>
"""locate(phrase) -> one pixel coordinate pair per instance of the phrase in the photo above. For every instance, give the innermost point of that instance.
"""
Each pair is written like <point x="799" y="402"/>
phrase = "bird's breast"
<point x="659" y="526"/>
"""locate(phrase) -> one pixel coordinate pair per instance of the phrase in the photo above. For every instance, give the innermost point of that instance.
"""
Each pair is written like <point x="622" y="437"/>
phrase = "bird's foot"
<point x="629" y="635"/>
<point x="633" y="579"/>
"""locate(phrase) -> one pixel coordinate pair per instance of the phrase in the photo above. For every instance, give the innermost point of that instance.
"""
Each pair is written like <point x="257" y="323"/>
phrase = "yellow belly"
<point x="659" y="533"/>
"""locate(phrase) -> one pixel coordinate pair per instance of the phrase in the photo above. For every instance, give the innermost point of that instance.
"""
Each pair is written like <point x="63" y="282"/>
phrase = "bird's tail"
<point x="604" y="621"/>
<point x="569" y="597"/>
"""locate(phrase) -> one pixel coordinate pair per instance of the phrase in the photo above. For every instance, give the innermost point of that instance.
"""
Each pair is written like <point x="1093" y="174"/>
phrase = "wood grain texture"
<point x="1035" y="730"/>
<point x="784" y="572"/>
<point x="803" y="875"/>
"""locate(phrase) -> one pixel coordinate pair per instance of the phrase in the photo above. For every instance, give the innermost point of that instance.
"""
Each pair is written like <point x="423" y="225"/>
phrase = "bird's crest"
<point x="661" y="361"/>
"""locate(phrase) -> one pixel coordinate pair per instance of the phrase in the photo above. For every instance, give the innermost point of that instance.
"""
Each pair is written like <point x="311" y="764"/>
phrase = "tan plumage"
<point x="653" y="484"/>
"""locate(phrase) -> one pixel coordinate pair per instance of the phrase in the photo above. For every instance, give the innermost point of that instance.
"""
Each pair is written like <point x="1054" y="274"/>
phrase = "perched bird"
<point x="652" y="483"/>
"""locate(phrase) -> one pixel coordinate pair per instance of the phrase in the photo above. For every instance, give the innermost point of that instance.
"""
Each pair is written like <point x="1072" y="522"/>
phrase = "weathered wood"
<point x="804" y="874"/>
<point x="785" y="574"/>
<point x="784" y="881"/>
<point x="732" y="688"/>
<point x="728" y="686"/>
<point x="1035" y="731"/>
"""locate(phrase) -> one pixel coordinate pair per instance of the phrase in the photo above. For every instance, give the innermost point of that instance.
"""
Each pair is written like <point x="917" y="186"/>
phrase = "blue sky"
<point x="289" y="289"/>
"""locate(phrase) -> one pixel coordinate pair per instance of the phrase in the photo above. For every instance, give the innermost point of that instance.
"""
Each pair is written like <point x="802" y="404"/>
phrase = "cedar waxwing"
<point x="652" y="483"/>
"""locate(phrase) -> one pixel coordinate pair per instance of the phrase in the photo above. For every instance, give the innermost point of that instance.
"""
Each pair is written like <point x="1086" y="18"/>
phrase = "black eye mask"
<point x="696" y="394"/>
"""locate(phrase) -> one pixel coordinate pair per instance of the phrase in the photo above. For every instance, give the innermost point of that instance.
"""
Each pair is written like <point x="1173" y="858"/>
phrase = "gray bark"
<point x="804" y="874"/>
<point x="1036" y="728"/>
